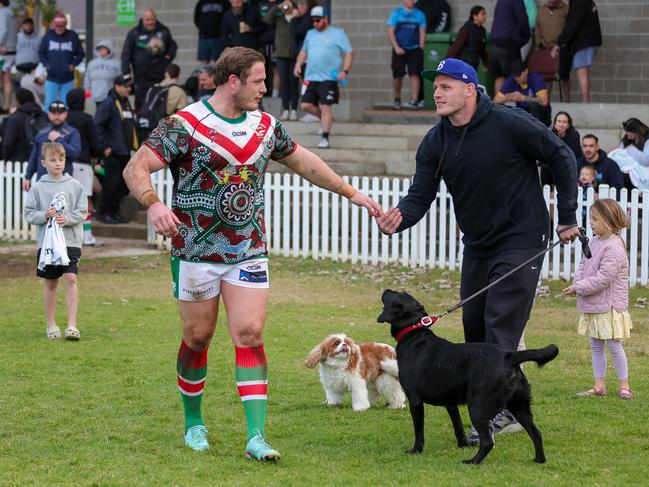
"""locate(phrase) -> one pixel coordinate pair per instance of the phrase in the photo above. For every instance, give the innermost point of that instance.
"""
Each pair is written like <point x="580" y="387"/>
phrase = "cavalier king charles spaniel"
<point x="368" y="370"/>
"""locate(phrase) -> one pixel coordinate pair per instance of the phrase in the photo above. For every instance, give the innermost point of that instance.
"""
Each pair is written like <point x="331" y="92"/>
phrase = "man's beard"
<point x="245" y="104"/>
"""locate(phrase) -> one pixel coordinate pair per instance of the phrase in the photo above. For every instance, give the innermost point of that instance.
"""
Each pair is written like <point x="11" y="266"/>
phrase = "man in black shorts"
<point x="407" y="34"/>
<point x="329" y="56"/>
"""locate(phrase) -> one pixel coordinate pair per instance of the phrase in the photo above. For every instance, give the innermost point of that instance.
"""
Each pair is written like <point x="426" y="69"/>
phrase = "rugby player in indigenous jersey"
<point x="218" y="150"/>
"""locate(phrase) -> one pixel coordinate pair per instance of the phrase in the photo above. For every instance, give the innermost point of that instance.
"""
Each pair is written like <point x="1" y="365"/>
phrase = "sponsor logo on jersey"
<point x="240" y="133"/>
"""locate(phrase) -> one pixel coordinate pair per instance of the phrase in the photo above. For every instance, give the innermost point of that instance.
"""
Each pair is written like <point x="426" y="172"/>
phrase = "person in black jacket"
<point x="117" y="135"/>
<point x="563" y="128"/>
<point x="83" y="166"/>
<point x="486" y="154"/>
<point x="471" y="42"/>
<point x="148" y="49"/>
<point x="581" y="35"/>
<point x="16" y="141"/>
<point x="242" y="26"/>
<point x="608" y="172"/>
<point x="208" y="16"/>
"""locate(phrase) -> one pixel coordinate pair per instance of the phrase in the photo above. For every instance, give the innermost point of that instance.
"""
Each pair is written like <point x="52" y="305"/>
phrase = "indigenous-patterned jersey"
<point x="218" y="166"/>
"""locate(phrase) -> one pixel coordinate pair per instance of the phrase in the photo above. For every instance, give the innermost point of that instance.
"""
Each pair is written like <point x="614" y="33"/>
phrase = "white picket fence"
<point x="305" y="221"/>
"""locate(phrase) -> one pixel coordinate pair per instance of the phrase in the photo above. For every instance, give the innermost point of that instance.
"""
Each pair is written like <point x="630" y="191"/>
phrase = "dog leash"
<point x="429" y="321"/>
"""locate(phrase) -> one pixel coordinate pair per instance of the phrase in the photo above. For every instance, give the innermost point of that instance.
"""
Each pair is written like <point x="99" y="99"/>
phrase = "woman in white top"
<point x="632" y="155"/>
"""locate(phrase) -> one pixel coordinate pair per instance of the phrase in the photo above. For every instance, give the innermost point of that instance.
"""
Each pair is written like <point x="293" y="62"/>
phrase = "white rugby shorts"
<point x="199" y="281"/>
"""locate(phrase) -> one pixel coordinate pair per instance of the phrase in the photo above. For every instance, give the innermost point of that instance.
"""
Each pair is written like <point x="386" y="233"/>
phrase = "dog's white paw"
<point x="361" y="406"/>
<point x="400" y="405"/>
<point x="331" y="402"/>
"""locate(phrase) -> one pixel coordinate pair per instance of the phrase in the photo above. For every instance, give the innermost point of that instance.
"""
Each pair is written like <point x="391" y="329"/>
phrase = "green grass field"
<point x="106" y="410"/>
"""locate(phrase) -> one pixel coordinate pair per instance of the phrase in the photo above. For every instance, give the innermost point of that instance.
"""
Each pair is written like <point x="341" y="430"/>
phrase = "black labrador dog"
<point x="481" y="375"/>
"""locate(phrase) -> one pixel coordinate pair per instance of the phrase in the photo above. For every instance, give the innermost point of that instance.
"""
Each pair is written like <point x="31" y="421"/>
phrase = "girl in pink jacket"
<point x="602" y="289"/>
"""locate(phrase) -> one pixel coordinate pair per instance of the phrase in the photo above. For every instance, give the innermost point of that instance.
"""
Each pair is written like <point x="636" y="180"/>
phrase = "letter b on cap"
<point x="441" y="65"/>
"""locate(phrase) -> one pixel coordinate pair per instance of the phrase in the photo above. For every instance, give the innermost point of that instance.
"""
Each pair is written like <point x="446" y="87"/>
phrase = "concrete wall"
<point x="620" y="74"/>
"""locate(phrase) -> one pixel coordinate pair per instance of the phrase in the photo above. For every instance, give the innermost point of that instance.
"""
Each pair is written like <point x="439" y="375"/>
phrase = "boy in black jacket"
<point x="487" y="155"/>
<point x="83" y="166"/>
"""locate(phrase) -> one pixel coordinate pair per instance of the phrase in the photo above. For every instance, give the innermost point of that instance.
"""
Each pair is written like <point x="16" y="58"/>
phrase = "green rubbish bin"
<point x="437" y="45"/>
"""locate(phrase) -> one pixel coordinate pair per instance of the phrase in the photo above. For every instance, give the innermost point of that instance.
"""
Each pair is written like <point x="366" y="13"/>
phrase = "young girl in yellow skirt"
<point x="602" y="288"/>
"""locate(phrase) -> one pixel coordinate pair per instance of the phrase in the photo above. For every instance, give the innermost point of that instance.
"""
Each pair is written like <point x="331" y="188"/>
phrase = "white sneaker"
<point x="284" y="116"/>
<point x="293" y="117"/>
<point x="324" y="143"/>
<point x="90" y="241"/>
<point x="309" y="118"/>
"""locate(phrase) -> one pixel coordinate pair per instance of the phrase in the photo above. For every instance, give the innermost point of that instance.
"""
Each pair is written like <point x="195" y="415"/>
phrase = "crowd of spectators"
<point x="307" y="58"/>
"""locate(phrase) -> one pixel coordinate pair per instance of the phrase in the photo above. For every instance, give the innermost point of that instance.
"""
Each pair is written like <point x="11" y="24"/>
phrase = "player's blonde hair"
<point x="51" y="150"/>
<point x="236" y="61"/>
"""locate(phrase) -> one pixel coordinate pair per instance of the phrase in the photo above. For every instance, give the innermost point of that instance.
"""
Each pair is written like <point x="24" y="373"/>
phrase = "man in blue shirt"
<point x="528" y="90"/>
<point x="329" y="55"/>
<point x="407" y="34"/>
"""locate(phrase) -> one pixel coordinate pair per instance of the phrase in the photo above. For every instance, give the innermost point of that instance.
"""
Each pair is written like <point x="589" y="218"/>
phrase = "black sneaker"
<point x="121" y="219"/>
<point x="397" y="104"/>
<point x="105" y="218"/>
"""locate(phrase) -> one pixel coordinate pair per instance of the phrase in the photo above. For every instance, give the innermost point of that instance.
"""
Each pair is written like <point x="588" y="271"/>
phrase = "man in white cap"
<point x="329" y="56"/>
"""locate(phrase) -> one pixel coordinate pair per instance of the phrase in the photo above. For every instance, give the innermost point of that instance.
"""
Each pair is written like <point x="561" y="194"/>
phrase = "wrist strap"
<point x="346" y="190"/>
<point x="148" y="198"/>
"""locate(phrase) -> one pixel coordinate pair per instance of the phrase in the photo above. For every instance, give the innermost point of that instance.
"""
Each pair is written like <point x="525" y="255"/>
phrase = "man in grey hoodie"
<point x="27" y="47"/>
<point x="101" y="71"/>
<point x="7" y="51"/>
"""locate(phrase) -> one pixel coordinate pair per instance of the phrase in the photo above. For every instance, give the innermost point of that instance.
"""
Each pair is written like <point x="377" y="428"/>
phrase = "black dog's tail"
<point x="539" y="355"/>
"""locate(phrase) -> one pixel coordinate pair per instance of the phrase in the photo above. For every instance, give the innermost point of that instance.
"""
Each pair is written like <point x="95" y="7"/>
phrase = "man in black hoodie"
<point x="116" y="131"/>
<point x="486" y="154"/>
<point x="83" y="166"/>
<point x="608" y="172"/>
<point x="149" y="48"/>
<point x="22" y="126"/>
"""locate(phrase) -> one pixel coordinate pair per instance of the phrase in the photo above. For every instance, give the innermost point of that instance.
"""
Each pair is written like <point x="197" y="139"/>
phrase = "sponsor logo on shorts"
<point x="197" y="293"/>
<point x="259" y="276"/>
<point x="254" y="267"/>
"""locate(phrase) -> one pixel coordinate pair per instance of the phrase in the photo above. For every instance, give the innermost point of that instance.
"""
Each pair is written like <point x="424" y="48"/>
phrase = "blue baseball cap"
<point x="455" y="69"/>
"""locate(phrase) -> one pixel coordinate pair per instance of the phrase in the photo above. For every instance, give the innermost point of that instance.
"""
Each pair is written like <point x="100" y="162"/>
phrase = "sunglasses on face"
<point x="316" y="20"/>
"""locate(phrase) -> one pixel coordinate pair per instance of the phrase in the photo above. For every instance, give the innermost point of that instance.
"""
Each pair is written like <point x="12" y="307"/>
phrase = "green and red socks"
<point x="192" y="370"/>
<point x="252" y="384"/>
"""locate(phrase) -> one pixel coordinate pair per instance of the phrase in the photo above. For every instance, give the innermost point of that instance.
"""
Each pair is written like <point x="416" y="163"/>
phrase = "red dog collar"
<point x="426" y="322"/>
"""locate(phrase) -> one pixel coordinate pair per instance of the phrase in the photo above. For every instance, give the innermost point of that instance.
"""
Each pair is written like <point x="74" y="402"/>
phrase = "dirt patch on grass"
<point x="14" y="266"/>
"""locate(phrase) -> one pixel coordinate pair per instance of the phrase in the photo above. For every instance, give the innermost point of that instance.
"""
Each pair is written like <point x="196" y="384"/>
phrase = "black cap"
<point x="57" y="106"/>
<point x="124" y="80"/>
